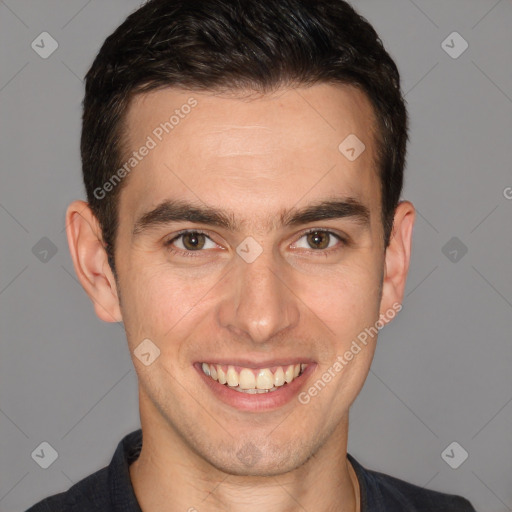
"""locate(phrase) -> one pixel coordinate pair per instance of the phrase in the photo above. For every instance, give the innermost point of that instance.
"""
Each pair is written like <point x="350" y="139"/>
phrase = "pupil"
<point x="192" y="240"/>
<point x="317" y="238"/>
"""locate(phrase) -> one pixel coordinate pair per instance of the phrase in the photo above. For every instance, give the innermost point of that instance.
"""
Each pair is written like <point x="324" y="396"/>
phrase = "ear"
<point x="91" y="262"/>
<point x="398" y="255"/>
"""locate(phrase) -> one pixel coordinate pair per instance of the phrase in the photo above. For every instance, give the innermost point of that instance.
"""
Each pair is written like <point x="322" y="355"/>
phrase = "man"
<point x="243" y="163"/>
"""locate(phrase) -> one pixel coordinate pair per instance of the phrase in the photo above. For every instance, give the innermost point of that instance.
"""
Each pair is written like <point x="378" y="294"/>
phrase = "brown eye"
<point x="193" y="241"/>
<point x="189" y="242"/>
<point x="318" y="239"/>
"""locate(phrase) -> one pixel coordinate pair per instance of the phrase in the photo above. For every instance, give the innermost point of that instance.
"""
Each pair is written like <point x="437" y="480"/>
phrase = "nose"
<point x="260" y="303"/>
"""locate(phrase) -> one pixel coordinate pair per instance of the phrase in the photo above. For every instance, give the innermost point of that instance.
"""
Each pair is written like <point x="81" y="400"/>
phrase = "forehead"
<point x="248" y="152"/>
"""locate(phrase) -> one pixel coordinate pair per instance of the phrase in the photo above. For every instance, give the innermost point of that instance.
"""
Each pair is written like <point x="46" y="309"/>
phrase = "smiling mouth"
<point x="253" y="380"/>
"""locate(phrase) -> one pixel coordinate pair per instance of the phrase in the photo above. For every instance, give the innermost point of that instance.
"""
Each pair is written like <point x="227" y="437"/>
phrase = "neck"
<point x="169" y="476"/>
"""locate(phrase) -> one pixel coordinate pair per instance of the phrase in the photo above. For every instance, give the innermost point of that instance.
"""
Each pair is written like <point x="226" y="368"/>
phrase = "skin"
<point x="252" y="156"/>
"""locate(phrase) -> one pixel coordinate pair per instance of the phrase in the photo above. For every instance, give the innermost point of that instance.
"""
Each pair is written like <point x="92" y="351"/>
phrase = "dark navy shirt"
<point x="110" y="490"/>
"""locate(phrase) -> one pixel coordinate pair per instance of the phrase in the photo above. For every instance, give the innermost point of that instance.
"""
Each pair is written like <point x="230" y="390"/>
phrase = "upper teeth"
<point x="253" y="378"/>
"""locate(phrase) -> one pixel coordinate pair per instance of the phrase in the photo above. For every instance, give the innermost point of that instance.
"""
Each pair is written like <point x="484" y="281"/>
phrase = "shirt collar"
<point x="122" y="495"/>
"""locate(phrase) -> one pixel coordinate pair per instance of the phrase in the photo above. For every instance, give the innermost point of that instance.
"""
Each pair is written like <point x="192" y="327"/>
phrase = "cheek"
<point x="349" y="306"/>
<point x="161" y="303"/>
<point x="346" y="299"/>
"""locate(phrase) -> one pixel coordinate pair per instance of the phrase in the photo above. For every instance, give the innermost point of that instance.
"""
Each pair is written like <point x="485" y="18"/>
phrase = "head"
<point x="243" y="109"/>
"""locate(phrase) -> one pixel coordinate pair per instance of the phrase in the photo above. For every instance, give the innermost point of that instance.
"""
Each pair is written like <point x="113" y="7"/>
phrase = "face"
<point x="250" y="242"/>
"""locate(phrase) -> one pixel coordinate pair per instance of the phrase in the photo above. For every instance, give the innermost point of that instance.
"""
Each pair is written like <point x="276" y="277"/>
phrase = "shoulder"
<point x="100" y="490"/>
<point x="382" y="492"/>
<point x="90" y="494"/>
<point x="418" y="499"/>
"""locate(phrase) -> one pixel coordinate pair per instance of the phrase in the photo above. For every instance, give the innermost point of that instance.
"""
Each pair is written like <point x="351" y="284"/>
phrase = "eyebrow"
<point x="175" y="210"/>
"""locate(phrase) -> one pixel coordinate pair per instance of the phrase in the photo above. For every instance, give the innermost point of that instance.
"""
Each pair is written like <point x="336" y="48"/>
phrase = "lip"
<point x="260" y="402"/>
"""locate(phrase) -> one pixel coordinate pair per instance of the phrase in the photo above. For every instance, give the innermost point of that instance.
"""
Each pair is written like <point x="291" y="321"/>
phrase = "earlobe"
<point x="91" y="262"/>
<point x="397" y="258"/>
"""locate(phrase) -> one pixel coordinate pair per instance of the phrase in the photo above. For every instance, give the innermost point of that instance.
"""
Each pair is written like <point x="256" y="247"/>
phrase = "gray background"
<point x="442" y="369"/>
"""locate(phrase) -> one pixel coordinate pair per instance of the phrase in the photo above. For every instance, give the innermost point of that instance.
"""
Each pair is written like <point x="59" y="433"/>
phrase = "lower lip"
<point x="259" y="401"/>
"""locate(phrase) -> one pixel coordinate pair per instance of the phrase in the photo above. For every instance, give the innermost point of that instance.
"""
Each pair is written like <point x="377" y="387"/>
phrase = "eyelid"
<point x="184" y="232"/>
<point x="324" y="230"/>
<point x="168" y="242"/>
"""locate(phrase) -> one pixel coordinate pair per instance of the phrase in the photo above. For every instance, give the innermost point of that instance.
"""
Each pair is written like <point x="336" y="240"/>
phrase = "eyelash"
<point x="190" y="254"/>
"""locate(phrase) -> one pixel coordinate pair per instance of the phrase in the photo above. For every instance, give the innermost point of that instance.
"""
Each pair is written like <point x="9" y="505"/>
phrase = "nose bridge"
<point x="259" y="303"/>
